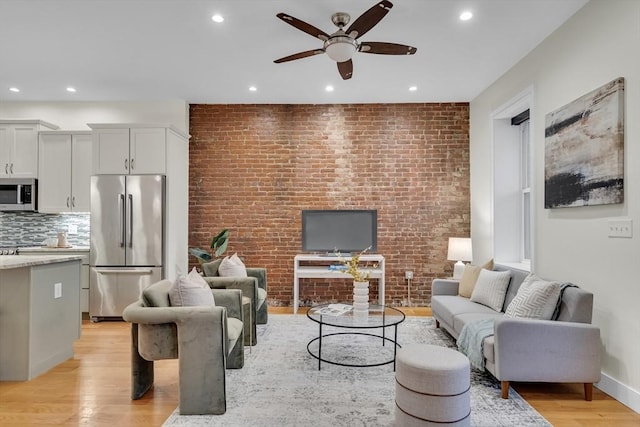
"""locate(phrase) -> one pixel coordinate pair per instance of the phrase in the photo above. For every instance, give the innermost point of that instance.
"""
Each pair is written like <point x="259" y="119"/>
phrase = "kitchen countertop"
<point x="49" y="249"/>
<point x="20" y="261"/>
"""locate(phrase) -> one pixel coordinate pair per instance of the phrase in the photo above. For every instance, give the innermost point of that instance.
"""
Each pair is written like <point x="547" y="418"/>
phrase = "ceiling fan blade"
<point x="346" y="69"/>
<point x="369" y="19"/>
<point x="382" y="48"/>
<point x="303" y="26"/>
<point x="299" y="55"/>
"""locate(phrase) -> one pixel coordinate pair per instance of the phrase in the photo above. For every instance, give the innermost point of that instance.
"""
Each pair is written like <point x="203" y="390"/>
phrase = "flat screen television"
<point x="339" y="230"/>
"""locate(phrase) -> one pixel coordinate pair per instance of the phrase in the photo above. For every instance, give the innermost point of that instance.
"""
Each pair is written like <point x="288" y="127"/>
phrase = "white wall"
<point x="76" y="115"/>
<point x="599" y="43"/>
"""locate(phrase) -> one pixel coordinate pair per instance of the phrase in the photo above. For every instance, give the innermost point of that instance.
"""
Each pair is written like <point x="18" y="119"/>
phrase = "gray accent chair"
<point x="206" y="340"/>
<point x="566" y="350"/>
<point x="254" y="286"/>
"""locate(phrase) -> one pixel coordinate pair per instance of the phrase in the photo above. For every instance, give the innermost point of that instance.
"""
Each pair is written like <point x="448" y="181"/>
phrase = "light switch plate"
<point x="620" y="228"/>
<point x="57" y="290"/>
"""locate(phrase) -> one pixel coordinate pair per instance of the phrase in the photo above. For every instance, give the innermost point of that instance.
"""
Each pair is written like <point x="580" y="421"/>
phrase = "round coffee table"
<point x="379" y="317"/>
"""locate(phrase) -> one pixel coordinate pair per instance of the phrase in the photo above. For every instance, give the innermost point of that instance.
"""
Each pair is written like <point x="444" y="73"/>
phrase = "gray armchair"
<point x="206" y="340"/>
<point x="254" y="286"/>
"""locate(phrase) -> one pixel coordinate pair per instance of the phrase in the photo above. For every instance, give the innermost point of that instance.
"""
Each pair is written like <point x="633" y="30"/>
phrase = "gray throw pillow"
<point x="491" y="288"/>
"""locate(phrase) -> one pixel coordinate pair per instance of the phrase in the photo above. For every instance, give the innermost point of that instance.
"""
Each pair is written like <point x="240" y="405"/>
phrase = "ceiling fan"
<point x="341" y="45"/>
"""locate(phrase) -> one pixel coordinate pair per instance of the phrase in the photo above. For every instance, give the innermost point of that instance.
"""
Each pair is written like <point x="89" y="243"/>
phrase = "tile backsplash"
<point x="22" y="229"/>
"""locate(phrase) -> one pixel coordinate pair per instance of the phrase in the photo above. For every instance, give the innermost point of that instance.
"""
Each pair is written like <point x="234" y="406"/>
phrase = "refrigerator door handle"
<point x="138" y="271"/>
<point x="130" y="220"/>
<point x="122" y="220"/>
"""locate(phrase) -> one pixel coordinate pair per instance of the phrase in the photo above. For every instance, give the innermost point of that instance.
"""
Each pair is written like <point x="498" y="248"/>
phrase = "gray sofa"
<point x="564" y="350"/>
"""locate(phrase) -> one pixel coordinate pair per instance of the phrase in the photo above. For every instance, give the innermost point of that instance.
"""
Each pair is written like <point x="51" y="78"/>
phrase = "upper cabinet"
<point x="129" y="150"/>
<point x="19" y="147"/>
<point x="64" y="171"/>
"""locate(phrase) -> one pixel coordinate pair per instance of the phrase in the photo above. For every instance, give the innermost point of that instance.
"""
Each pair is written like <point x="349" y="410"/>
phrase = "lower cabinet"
<point x="84" y="272"/>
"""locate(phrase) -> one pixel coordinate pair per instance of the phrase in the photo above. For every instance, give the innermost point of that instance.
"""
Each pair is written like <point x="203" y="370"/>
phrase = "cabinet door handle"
<point x="6" y="168"/>
<point x="131" y="164"/>
<point x="11" y="168"/>
<point x="73" y="201"/>
<point x="126" y="164"/>
<point x="68" y="202"/>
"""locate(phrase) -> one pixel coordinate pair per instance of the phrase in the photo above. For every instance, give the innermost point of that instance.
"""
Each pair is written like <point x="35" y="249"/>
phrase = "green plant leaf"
<point x="202" y="255"/>
<point x="219" y="242"/>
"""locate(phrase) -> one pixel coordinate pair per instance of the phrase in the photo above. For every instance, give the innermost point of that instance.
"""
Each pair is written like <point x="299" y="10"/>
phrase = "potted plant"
<point x="218" y="246"/>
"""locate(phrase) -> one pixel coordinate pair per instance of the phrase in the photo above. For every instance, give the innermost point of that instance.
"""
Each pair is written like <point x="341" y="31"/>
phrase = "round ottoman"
<point x="432" y="386"/>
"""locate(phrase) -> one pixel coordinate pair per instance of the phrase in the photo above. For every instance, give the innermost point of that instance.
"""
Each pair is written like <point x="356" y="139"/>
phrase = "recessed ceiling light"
<point x="14" y="89"/>
<point x="329" y="88"/>
<point x="253" y="88"/>
<point x="413" y="88"/>
<point x="217" y="18"/>
<point x="71" y="89"/>
<point x="466" y="15"/>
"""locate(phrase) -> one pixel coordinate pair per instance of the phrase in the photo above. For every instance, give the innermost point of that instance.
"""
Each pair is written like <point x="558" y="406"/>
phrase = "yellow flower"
<point x="352" y="266"/>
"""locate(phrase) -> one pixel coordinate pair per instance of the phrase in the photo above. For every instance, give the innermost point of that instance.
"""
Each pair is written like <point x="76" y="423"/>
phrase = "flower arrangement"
<point x="351" y="266"/>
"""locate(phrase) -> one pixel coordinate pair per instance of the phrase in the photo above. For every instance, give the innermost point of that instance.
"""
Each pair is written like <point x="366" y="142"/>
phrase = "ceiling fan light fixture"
<point x="340" y="48"/>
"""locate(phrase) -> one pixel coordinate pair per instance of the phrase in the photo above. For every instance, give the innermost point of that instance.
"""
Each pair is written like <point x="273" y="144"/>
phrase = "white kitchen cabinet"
<point x="19" y="147"/>
<point x="130" y="150"/>
<point x="64" y="171"/>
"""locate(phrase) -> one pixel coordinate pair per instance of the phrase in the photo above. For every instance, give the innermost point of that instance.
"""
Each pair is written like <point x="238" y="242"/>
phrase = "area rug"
<point x="280" y="384"/>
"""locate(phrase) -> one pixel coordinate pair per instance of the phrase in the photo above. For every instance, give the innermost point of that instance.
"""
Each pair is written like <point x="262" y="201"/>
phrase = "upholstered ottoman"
<point x="432" y="386"/>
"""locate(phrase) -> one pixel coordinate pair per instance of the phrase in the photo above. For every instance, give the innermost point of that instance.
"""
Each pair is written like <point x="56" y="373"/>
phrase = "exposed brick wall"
<point x="253" y="168"/>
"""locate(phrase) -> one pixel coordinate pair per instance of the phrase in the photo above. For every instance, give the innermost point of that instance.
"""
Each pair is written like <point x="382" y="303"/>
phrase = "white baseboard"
<point x="622" y="393"/>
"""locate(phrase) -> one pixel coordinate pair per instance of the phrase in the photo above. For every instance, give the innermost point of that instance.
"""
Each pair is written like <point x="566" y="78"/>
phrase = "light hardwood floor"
<point x="93" y="389"/>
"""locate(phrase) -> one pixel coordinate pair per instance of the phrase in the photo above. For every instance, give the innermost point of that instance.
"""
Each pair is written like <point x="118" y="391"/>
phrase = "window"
<point x="513" y="184"/>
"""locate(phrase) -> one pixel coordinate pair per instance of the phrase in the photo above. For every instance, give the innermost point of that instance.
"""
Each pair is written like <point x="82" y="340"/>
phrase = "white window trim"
<point x="517" y="104"/>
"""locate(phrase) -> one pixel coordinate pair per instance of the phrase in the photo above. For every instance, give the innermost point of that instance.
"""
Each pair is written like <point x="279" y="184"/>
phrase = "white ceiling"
<point x="114" y="50"/>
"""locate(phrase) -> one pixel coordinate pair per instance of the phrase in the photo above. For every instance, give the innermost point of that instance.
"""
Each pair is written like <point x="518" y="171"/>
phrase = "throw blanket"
<point x="471" y="340"/>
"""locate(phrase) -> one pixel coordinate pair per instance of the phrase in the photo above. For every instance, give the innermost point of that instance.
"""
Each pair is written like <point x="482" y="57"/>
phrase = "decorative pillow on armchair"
<point x="491" y="288"/>
<point x="232" y="267"/>
<point x="192" y="290"/>
<point x="470" y="276"/>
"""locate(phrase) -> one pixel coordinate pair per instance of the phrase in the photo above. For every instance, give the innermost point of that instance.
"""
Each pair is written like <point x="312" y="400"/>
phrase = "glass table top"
<point x="379" y="316"/>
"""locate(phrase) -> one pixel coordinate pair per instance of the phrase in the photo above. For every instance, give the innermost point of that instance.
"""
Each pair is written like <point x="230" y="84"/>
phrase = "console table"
<point x="320" y="270"/>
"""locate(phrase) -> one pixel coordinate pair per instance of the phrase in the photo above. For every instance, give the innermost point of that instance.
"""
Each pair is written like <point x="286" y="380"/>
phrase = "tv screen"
<point x="341" y="230"/>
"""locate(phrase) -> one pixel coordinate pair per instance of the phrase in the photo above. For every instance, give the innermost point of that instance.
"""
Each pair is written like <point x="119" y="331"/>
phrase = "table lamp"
<point x="459" y="250"/>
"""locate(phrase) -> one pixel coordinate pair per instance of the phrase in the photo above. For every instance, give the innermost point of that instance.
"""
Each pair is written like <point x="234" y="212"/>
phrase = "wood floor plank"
<point x="93" y="389"/>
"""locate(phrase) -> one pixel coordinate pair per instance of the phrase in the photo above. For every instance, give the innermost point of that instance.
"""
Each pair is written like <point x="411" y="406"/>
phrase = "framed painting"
<point x="584" y="150"/>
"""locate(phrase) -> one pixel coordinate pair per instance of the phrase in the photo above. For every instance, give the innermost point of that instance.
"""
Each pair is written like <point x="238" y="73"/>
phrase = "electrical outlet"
<point x="408" y="274"/>
<point x="620" y="228"/>
<point x="72" y="229"/>
<point x="57" y="290"/>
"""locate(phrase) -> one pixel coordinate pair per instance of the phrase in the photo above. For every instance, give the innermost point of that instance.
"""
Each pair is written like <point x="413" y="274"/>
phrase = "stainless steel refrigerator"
<point x="127" y="240"/>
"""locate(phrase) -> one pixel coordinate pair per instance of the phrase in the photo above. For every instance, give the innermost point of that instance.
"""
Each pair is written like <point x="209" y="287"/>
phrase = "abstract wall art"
<point x="584" y="149"/>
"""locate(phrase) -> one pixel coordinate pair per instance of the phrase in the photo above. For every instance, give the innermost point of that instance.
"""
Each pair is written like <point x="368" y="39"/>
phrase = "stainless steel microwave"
<point x="18" y="194"/>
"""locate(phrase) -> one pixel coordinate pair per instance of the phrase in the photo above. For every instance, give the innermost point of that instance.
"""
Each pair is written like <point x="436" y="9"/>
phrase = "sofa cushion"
<point x="234" y="329"/>
<point x="491" y="288"/>
<point x="536" y="299"/>
<point x="186" y="292"/>
<point x="232" y="267"/>
<point x="448" y="306"/>
<point x="470" y="276"/>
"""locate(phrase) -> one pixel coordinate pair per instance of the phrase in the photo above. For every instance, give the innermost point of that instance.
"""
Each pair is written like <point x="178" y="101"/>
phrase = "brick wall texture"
<point x="254" y="168"/>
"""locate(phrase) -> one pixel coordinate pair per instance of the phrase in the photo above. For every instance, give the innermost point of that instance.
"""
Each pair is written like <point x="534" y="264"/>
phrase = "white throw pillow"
<point x="549" y="309"/>
<point x="536" y="299"/>
<point x="232" y="267"/>
<point x="186" y="292"/>
<point x="491" y="288"/>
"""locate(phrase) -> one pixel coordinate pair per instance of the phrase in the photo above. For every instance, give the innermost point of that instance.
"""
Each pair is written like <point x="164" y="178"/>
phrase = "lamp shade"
<point x="459" y="249"/>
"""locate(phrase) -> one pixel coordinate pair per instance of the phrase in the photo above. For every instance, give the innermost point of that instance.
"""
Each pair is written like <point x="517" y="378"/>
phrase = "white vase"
<point x="360" y="299"/>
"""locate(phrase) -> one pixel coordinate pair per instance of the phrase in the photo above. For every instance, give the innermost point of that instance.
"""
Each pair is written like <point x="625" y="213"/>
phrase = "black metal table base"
<point x="365" y="365"/>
